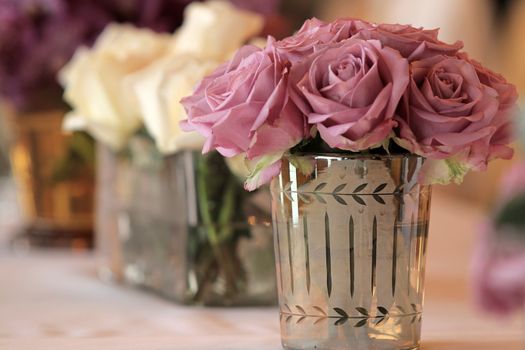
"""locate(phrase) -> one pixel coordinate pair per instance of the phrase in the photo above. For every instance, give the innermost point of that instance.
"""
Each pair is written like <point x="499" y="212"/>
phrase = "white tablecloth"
<point x="54" y="301"/>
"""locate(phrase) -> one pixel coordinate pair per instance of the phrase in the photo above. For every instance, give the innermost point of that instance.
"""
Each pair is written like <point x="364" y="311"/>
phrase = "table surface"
<point x="55" y="301"/>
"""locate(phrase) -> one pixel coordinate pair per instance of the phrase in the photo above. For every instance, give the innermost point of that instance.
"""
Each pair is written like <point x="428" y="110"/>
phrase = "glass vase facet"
<point x="350" y="240"/>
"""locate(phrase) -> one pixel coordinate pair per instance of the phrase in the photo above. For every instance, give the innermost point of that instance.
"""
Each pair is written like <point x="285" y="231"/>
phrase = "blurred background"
<point x="47" y="177"/>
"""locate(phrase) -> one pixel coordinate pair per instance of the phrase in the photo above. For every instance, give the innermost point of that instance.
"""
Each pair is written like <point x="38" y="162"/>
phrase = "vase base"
<point x="349" y="347"/>
<point x="51" y="237"/>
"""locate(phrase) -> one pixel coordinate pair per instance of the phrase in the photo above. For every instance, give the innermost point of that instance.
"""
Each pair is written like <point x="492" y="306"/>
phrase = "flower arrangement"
<point x="125" y="91"/>
<point x="354" y="86"/>
<point x="499" y="258"/>
<point x="498" y="268"/>
<point x="133" y="77"/>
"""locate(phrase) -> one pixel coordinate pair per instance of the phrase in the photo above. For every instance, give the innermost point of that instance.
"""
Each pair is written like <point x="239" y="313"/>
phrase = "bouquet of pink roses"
<point x="355" y="86"/>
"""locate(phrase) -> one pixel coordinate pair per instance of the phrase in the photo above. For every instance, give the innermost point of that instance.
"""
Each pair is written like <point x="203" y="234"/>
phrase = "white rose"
<point x="158" y="90"/>
<point x="94" y="82"/>
<point x="259" y="42"/>
<point x="215" y="29"/>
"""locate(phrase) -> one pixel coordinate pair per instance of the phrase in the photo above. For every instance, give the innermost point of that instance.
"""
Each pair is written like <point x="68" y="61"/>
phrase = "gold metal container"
<point x="54" y="178"/>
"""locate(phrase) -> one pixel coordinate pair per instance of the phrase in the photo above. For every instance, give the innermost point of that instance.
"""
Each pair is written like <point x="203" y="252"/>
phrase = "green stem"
<point x="210" y="227"/>
<point x="227" y="210"/>
<point x="204" y="207"/>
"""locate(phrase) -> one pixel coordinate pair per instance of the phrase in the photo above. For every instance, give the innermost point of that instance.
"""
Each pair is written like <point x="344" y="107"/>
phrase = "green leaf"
<point x="320" y="310"/>
<point x="301" y="310"/>
<point x="378" y="199"/>
<point x="320" y="186"/>
<point x="304" y="197"/>
<point x="339" y="188"/>
<point x="358" y="199"/>
<point x="305" y="165"/>
<point x="339" y="199"/>
<point x="320" y="319"/>
<point x="443" y="171"/>
<point x="360" y="188"/>
<point x="257" y="166"/>
<point x="382" y="310"/>
<point x="319" y="198"/>
<point x="361" y="323"/>
<point x="401" y="309"/>
<point x="362" y="310"/>
<point x="341" y="312"/>
<point x="512" y="214"/>
<point x="380" y="320"/>
<point x="380" y="188"/>
<point x="340" y="321"/>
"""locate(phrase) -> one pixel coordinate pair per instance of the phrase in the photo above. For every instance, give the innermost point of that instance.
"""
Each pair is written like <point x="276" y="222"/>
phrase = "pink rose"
<point x="412" y="43"/>
<point x="350" y="91"/>
<point x="448" y="113"/>
<point x="315" y="34"/>
<point x="244" y="107"/>
<point x="498" y="268"/>
<point x="498" y="273"/>
<point x="507" y="96"/>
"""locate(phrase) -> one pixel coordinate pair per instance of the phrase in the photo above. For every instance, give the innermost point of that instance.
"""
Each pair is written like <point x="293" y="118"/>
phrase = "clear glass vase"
<point x="189" y="231"/>
<point x="111" y="199"/>
<point x="350" y="242"/>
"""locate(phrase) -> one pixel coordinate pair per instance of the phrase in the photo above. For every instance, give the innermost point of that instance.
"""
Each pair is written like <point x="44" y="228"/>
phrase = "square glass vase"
<point x="184" y="227"/>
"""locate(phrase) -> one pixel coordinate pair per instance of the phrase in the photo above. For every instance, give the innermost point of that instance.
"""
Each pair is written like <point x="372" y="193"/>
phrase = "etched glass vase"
<point x="350" y="242"/>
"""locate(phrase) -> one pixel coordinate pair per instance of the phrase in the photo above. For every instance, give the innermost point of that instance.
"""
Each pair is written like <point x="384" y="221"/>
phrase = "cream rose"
<point x="95" y="82"/>
<point x="158" y="90"/>
<point x="215" y="29"/>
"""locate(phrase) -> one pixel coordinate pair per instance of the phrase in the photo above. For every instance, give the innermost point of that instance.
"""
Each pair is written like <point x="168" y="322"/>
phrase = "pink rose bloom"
<point x="507" y="96"/>
<point x="350" y="92"/>
<point x="315" y="34"/>
<point x="412" y="43"/>
<point x="448" y="113"/>
<point x="244" y="107"/>
<point x="498" y="273"/>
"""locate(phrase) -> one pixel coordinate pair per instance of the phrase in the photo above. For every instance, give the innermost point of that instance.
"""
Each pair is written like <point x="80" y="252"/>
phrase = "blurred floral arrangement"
<point x="125" y="92"/>
<point x="499" y="258"/>
<point x="354" y="86"/>
<point x="35" y="44"/>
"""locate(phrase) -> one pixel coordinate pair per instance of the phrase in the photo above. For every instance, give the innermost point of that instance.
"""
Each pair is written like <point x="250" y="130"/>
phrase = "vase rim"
<point x="361" y="156"/>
